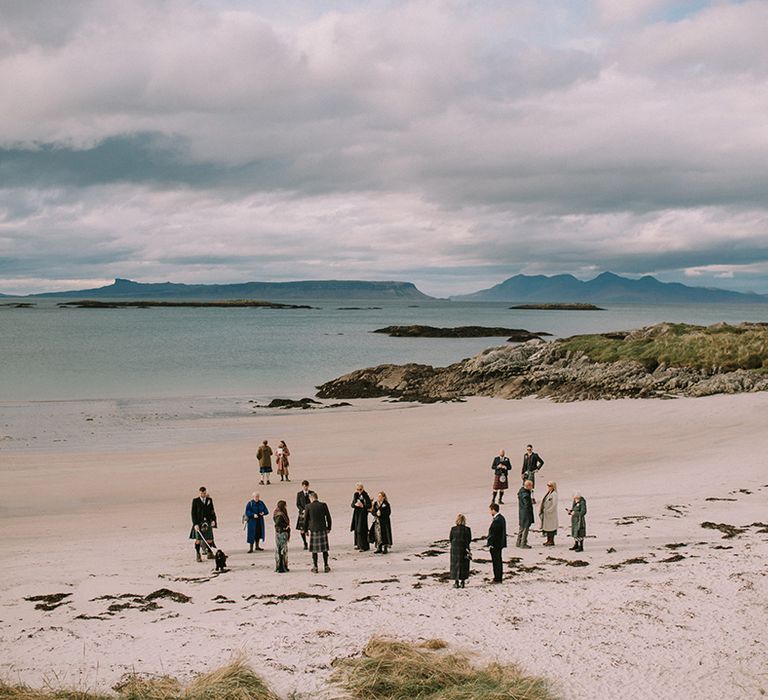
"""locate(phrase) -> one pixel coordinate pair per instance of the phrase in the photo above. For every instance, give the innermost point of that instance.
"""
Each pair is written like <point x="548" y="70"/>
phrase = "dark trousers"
<point x="496" y="559"/>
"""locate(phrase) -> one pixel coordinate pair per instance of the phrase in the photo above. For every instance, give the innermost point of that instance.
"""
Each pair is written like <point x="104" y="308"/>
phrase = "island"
<point x="661" y="361"/>
<point x="516" y="335"/>
<point x="233" y="304"/>
<point x="558" y="307"/>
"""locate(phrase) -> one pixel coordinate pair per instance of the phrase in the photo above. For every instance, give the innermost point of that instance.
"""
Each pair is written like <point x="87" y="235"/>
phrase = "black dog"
<point x="221" y="560"/>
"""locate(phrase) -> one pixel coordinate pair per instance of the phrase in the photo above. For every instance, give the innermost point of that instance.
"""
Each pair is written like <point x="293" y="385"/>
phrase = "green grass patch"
<point x="721" y="347"/>
<point x="393" y="670"/>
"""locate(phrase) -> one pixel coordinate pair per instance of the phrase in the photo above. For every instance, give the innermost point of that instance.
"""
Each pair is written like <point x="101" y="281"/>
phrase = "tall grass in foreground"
<point x="392" y="670"/>
<point x="387" y="670"/>
<point x="236" y="681"/>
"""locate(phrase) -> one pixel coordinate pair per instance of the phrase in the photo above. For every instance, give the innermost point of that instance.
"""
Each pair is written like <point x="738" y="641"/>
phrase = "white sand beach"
<point x="99" y="508"/>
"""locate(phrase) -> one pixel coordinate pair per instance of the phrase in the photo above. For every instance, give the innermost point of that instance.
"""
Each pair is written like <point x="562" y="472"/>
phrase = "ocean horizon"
<point x="54" y="354"/>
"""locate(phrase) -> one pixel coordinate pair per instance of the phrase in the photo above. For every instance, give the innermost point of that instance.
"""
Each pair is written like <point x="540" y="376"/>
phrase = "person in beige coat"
<point x="548" y="514"/>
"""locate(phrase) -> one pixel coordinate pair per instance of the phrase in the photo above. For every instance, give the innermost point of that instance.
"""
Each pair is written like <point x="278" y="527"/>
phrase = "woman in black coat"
<point x="382" y="523"/>
<point x="460" y="539"/>
<point x="361" y="506"/>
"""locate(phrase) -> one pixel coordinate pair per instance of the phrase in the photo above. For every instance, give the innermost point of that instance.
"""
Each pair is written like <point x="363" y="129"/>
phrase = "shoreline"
<point x="124" y="512"/>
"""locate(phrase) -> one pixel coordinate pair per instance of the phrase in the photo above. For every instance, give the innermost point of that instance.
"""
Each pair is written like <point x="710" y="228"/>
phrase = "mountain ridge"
<point x="303" y="289"/>
<point x="607" y="287"/>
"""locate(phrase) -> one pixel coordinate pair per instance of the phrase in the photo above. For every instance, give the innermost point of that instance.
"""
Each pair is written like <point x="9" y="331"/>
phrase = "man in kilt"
<point x="203" y="522"/>
<point x="501" y="466"/>
<point x="317" y="521"/>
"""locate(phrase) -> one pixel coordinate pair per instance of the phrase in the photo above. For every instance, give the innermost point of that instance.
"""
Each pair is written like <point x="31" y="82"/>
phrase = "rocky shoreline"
<point x="556" y="371"/>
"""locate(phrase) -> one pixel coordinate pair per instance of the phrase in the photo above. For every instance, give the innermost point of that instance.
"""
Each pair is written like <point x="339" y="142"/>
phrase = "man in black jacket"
<point x="203" y="522"/>
<point x="525" y="512"/>
<point x="317" y="521"/>
<point x="501" y="467"/>
<point x="497" y="540"/>
<point x="302" y="501"/>
<point x="531" y="464"/>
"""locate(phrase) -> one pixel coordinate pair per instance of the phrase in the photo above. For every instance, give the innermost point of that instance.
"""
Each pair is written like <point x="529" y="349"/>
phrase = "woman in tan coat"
<point x="548" y="513"/>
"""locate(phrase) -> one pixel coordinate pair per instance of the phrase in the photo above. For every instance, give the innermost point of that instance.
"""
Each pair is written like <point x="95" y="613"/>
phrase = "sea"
<point x="49" y="353"/>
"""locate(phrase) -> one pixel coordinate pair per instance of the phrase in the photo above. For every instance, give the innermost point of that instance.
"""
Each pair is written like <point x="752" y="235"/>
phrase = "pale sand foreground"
<point x="101" y="508"/>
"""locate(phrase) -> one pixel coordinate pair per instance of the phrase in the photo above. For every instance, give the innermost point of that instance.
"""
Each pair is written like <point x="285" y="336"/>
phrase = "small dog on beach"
<point x="221" y="560"/>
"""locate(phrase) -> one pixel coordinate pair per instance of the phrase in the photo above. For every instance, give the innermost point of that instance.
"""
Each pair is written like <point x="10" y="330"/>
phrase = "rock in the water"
<point x="654" y="362"/>
<point x="518" y="335"/>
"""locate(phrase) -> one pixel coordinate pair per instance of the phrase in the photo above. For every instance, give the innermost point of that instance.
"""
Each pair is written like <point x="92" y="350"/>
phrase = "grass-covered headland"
<point x="386" y="670"/>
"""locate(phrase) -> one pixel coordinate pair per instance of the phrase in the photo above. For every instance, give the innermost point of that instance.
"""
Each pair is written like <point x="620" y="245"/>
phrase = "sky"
<point x="452" y="144"/>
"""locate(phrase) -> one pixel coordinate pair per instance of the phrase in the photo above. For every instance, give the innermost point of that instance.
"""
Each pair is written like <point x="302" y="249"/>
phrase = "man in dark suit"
<point x="203" y="520"/>
<point x="531" y="464"/>
<point x="497" y="540"/>
<point x="302" y="501"/>
<point x="525" y="507"/>
<point x="317" y="521"/>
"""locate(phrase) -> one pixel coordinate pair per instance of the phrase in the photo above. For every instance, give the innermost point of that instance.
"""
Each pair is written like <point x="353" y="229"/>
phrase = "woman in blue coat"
<point x="255" y="510"/>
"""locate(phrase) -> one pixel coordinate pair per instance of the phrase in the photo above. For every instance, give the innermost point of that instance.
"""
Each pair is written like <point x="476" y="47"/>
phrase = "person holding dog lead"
<point x="203" y="522"/>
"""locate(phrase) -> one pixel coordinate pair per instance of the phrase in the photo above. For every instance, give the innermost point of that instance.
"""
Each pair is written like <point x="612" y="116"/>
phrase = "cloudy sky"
<point x="445" y="142"/>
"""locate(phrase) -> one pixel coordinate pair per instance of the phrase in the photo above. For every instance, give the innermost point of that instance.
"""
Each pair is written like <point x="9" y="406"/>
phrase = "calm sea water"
<point x="47" y="353"/>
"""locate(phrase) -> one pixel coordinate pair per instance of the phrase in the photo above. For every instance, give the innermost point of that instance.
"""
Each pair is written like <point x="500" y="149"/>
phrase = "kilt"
<point x="300" y="518"/>
<point x="499" y="484"/>
<point x="206" y="532"/>
<point x="318" y="541"/>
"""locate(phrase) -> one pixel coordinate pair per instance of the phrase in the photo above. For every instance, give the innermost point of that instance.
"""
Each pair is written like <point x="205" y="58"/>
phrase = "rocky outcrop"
<point x="516" y="335"/>
<point x="544" y="369"/>
<point x="558" y="307"/>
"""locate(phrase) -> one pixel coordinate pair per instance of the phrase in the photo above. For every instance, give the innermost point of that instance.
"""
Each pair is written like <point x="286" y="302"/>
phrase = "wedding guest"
<point x="282" y="535"/>
<point x="203" y="522"/>
<point x="578" y="513"/>
<point x="461" y="540"/>
<point x="531" y="464"/>
<point x="525" y="513"/>
<point x="264" y="455"/>
<point x="302" y="501"/>
<point x="281" y="460"/>
<point x="317" y="521"/>
<point x="382" y="523"/>
<point x="548" y="513"/>
<point x="361" y="505"/>
<point x="501" y="466"/>
<point x="497" y="540"/>
<point x="255" y="510"/>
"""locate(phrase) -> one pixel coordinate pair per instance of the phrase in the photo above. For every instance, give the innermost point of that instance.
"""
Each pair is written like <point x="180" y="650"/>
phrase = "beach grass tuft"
<point x="235" y="681"/>
<point x="396" y="670"/>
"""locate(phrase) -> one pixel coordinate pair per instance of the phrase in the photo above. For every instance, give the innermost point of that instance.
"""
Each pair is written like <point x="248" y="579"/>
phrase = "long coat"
<point x="579" y="519"/>
<point x="359" y="524"/>
<point x="548" y="512"/>
<point x="202" y="511"/>
<point x="254" y="513"/>
<point x="525" y="507"/>
<point x="497" y="532"/>
<point x="264" y="455"/>
<point x="460" y="539"/>
<point x="381" y="513"/>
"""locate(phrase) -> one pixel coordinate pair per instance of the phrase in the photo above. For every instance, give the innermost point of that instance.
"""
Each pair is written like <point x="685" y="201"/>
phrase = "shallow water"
<point x="48" y="353"/>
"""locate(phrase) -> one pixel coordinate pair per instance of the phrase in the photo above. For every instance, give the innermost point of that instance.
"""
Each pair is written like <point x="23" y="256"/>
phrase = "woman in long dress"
<point x="382" y="523"/>
<point x="282" y="535"/>
<point x="548" y="514"/>
<point x="361" y="506"/>
<point x="461" y="540"/>
<point x="255" y="510"/>
<point x="281" y="460"/>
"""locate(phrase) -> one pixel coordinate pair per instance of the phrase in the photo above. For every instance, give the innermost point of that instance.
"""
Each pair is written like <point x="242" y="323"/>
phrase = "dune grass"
<point x="723" y="347"/>
<point x="393" y="670"/>
<point x="236" y="681"/>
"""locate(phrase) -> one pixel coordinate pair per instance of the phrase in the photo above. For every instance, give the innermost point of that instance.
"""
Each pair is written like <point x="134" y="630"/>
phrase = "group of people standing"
<point x="264" y="456"/>
<point x="313" y="522"/>
<point x="461" y="536"/>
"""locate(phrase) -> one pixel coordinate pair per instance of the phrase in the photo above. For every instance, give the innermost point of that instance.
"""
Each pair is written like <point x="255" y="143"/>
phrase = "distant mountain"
<point x="271" y="291"/>
<point x="606" y="288"/>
